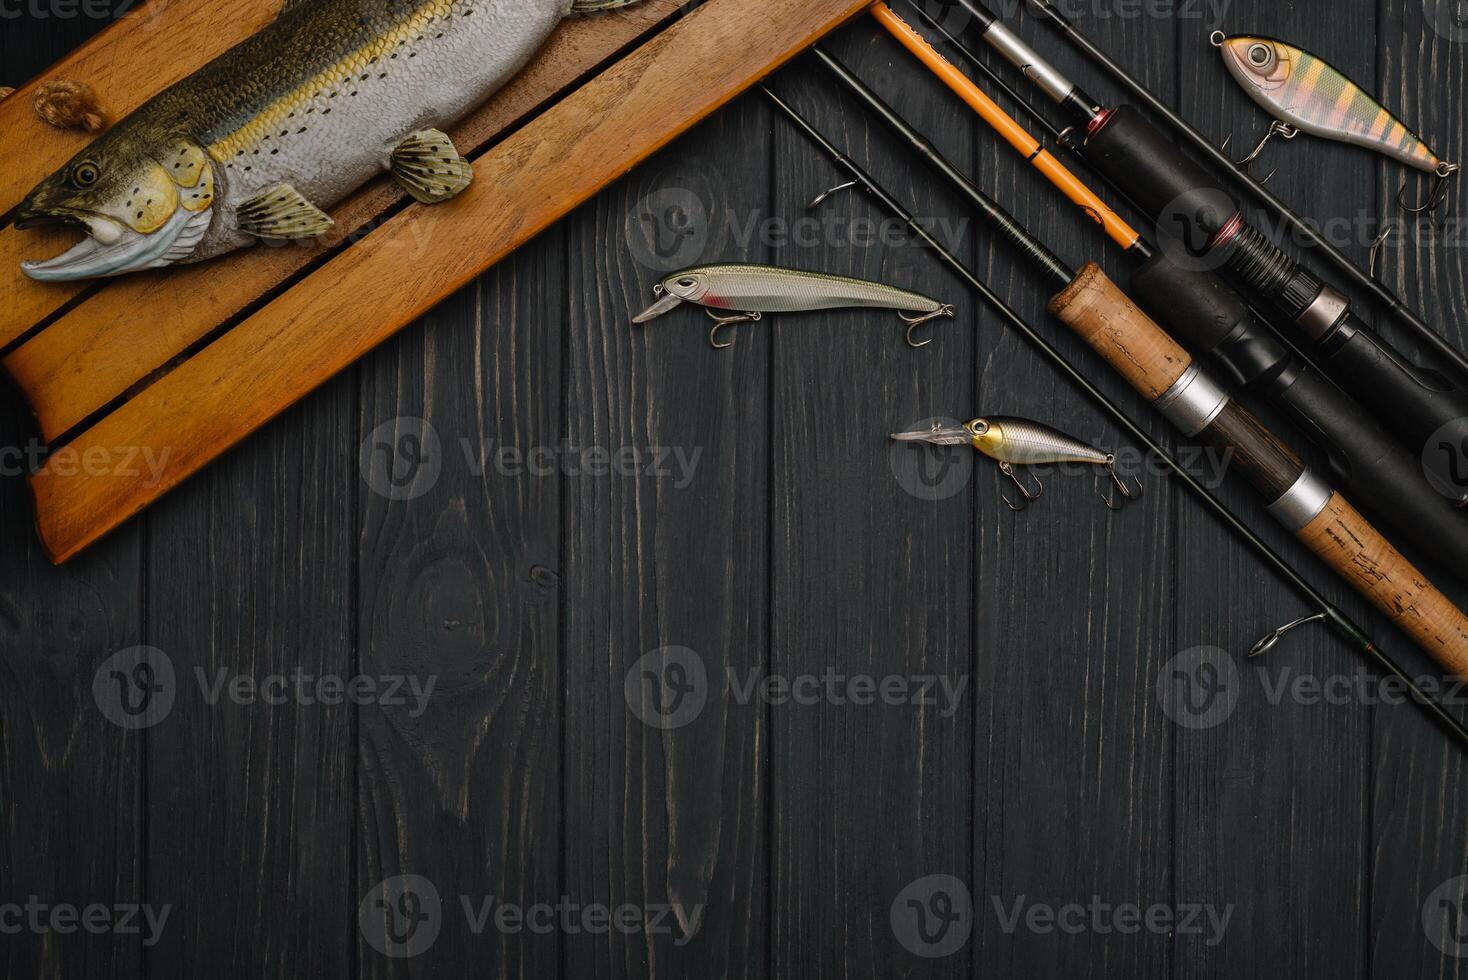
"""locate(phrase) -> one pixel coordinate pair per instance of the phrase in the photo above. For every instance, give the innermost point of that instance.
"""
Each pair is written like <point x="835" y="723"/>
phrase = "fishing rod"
<point x="1393" y="304"/>
<point x="1091" y="306"/>
<point x="1425" y="409"/>
<point x="1374" y="469"/>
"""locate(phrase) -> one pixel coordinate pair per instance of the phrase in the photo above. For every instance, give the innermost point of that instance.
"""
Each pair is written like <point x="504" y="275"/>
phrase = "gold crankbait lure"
<point x="1305" y="94"/>
<point x="1019" y="442"/>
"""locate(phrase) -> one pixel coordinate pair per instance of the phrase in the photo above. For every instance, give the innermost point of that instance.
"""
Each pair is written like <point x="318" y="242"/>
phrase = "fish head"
<point x="986" y="436"/>
<point x="1261" y="63"/>
<point x="142" y="206"/>
<point x="689" y="286"/>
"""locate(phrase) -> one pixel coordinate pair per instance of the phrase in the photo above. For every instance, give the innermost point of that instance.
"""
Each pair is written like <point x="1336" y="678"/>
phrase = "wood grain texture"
<point x="669" y="552"/>
<point x="1117" y="329"/>
<point x="250" y="795"/>
<point x="868" y="799"/>
<point x="279" y="355"/>
<point x="1419" y="798"/>
<point x="102" y="347"/>
<point x="461" y="567"/>
<point x="1256" y="452"/>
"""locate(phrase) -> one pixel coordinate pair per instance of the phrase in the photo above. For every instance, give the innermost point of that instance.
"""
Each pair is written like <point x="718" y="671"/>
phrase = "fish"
<point x="258" y="144"/>
<point x="1305" y="92"/>
<point x="1012" y="442"/>
<point x="759" y="289"/>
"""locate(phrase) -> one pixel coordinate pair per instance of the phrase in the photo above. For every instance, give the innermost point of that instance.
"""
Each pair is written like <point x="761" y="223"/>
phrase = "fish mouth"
<point x="668" y="302"/>
<point x="113" y="249"/>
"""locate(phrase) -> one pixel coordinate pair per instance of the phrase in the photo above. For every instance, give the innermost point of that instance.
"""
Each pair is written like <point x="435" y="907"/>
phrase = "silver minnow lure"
<point x="1019" y="442"/>
<point x="755" y="290"/>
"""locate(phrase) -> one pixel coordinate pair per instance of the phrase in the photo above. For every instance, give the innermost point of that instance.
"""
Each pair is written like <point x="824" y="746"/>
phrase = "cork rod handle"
<point x="1347" y="542"/>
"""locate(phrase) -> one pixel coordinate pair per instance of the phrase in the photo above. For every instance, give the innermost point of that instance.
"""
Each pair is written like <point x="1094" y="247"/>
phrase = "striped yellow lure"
<point x="1306" y="93"/>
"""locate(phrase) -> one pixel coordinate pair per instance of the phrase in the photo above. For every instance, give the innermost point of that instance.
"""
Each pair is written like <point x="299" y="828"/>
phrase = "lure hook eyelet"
<point x="1436" y="196"/>
<point x="1217" y="39"/>
<point x="1029" y="496"/>
<point x="1276" y="128"/>
<point x="1127" y="495"/>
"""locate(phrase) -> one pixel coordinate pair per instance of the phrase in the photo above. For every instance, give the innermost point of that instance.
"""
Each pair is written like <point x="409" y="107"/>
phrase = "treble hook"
<point x="913" y="322"/>
<point x="1376" y="247"/>
<point x="1276" y="128"/>
<point x="1269" y="641"/>
<point x="1024" y="492"/>
<point x="1436" y="196"/>
<point x="824" y="195"/>
<point x="1126" y="492"/>
<point x="720" y="322"/>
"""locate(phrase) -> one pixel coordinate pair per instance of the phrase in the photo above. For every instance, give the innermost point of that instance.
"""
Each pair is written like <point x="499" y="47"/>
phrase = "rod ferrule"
<point x="1323" y="313"/>
<point x="1028" y="61"/>
<point x="1193" y="401"/>
<point x="1301" y="503"/>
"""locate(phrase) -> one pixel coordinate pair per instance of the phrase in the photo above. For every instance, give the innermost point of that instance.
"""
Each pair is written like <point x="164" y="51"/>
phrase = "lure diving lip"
<point x="755" y="290"/>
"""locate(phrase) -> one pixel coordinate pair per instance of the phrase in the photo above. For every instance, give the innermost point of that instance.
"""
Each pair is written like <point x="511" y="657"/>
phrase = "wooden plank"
<point x="71" y="781"/>
<point x="867" y="578"/>
<point x="249" y="795"/>
<point x="1419" y="803"/>
<point x="459" y="582"/>
<point x="1073" y="787"/>
<point x="24" y="303"/>
<point x="103" y="347"/>
<point x="142" y="53"/>
<point x="1277" y="783"/>
<point x="525" y="184"/>
<point x="669" y="551"/>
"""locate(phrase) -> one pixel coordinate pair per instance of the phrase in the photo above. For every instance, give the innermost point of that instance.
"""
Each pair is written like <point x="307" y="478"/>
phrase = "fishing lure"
<point x="761" y="289"/>
<point x="1305" y="94"/>
<point x="1019" y="442"/>
<point x="260" y="142"/>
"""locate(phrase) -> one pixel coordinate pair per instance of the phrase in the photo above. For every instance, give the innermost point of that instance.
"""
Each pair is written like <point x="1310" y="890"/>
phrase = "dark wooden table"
<point x="574" y="494"/>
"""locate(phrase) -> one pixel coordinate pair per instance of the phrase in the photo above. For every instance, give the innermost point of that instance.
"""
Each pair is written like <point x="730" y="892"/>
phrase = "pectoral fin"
<point x="429" y="168"/>
<point x="282" y="213"/>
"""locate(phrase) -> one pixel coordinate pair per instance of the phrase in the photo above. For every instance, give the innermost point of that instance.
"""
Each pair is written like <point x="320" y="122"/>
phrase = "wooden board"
<point x="277" y="356"/>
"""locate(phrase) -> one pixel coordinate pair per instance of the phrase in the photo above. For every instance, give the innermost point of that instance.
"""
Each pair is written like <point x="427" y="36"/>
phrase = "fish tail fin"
<point x="594" y="6"/>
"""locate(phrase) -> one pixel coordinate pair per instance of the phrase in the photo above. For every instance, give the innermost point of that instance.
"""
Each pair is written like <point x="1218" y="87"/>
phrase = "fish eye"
<point x="1260" y="55"/>
<point x="86" y="173"/>
<point x="978" y="427"/>
<point x="687" y="283"/>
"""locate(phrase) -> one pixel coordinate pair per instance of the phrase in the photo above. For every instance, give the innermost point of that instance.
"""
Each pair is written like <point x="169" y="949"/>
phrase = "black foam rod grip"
<point x="1204" y="312"/>
<point x="1175" y="192"/>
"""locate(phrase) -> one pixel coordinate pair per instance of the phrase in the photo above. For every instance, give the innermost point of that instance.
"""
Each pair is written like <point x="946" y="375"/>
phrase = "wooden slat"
<point x="143" y="53"/>
<point x="25" y="302"/>
<point x="524" y="185"/>
<point x="135" y="325"/>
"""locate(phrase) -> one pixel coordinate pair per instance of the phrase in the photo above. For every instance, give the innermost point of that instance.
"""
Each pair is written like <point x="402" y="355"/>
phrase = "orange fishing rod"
<point x="1013" y="133"/>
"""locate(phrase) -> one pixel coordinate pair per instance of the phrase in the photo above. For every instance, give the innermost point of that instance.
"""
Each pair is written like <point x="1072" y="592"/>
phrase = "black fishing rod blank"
<point x="1052" y="267"/>
<point x="1393" y="304"/>
<point x="1424" y="408"/>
